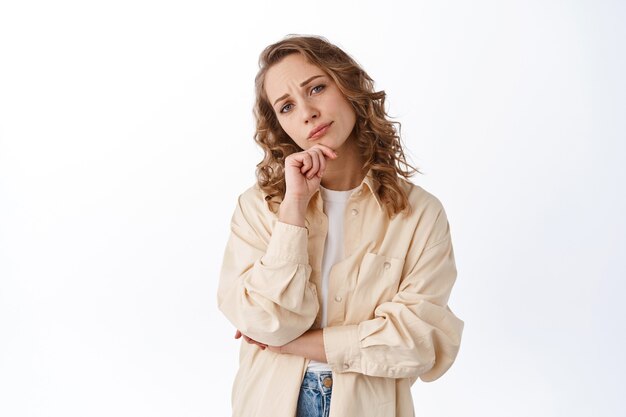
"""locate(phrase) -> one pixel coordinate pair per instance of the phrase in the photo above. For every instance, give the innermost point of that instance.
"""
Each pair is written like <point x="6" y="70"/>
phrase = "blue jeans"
<point x="315" y="392"/>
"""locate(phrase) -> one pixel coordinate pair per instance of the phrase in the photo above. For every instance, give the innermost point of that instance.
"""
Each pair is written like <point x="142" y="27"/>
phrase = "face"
<point x="308" y="104"/>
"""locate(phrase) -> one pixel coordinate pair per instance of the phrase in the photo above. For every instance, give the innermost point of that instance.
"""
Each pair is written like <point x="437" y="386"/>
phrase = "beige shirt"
<point x="388" y="317"/>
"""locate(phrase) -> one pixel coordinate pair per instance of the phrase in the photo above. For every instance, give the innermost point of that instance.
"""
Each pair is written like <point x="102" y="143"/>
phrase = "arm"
<point x="309" y="345"/>
<point x="414" y="334"/>
<point x="264" y="287"/>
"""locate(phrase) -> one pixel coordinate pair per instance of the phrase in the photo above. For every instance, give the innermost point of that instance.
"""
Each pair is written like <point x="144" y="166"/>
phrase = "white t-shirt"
<point x="334" y="207"/>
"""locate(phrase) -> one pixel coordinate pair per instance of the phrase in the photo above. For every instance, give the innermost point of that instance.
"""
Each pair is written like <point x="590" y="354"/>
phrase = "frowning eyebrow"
<point x="302" y="84"/>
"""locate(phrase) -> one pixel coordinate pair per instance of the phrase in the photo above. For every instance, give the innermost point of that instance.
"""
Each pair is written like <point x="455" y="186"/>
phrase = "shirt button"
<point x="386" y="265"/>
<point x="355" y="212"/>
<point x="338" y="299"/>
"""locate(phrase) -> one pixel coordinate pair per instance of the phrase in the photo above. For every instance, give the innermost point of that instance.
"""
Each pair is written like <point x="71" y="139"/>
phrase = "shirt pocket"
<point x="377" y="281"/>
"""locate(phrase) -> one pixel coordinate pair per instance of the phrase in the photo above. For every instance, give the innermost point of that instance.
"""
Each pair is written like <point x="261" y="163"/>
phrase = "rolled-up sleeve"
<point x="413" y="335"/>
<point x="264" y="287"/>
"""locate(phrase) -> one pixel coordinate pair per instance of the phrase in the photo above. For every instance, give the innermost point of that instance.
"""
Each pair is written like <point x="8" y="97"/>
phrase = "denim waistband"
<point x="322" y="381"/>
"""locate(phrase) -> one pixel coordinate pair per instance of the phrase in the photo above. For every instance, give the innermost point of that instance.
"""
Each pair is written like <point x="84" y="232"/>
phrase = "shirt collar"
<point x="368" y="184"/>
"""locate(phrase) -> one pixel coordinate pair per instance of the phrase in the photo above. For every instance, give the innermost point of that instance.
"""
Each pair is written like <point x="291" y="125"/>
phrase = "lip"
<point x="319" y="130"/>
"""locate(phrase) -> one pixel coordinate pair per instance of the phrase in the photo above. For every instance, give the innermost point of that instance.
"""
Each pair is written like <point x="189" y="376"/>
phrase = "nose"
<point x="309" y="112"/>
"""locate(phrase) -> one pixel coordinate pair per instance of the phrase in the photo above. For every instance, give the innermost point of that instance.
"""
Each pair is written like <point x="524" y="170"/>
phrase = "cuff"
<point x="289" y="243"/>
<point x="343" y="348"/>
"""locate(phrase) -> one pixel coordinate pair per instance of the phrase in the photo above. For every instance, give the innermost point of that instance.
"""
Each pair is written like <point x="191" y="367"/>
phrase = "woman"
<point x="338" y="270"/>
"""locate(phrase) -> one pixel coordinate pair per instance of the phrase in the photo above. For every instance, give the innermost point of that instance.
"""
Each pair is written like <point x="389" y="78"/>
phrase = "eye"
<point x="285" y="108"/>
<point x="318" y="88"/>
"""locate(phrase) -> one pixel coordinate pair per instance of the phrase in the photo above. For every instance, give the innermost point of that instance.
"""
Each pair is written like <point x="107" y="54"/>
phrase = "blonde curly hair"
<point x="376" y="136"/>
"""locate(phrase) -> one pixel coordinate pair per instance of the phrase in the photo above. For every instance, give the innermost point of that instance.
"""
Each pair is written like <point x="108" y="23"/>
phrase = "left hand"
<point x="263" y="346"/>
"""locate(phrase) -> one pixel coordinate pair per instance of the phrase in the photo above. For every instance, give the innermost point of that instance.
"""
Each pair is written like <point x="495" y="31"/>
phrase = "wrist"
<point x="284" y="348"/>
<point x="293" y="211"/>
<point x="296" y="202"/>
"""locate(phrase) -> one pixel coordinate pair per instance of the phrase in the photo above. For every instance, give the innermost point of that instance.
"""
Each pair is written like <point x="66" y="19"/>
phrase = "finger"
<point x="307" y="162"/>
<point x="254" y="342"/>
<point x="299" y="159"/>
<point x="322" y="161"/>
<point x="327" y="151"/>
<point x="319" y="161"/>
<point x="315" y="164"/>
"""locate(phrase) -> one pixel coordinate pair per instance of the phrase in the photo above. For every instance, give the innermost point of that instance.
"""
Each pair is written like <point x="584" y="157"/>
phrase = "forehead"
<point x="288" y="73"/>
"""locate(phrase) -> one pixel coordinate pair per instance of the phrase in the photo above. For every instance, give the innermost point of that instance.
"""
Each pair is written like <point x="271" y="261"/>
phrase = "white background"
<point x="126" y="136"/>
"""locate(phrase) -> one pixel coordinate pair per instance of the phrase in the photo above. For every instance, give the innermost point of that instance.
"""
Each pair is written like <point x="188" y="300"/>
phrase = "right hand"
<point x="304" y="170"/>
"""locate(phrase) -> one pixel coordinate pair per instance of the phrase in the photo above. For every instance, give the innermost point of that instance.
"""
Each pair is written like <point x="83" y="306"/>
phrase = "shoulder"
<point x="420" y="199"/>
<point x="252" y="205"/>
<point x="253" y="201"/>
<point x="427" y="213"/>
<point x="252" y="197"/>
<point x="252" y="211"/>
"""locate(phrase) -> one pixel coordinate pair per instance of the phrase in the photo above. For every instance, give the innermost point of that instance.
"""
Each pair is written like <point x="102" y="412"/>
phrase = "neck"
<point x="346" y="171"/>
